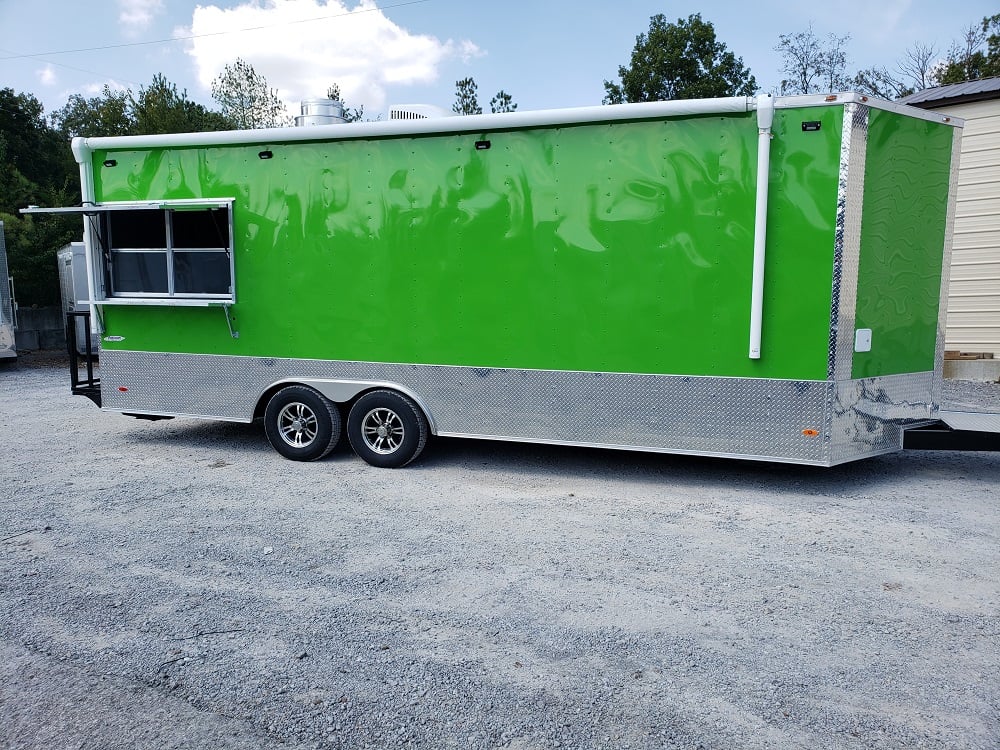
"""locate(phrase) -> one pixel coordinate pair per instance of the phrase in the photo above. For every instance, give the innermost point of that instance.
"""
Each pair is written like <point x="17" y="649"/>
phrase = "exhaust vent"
<point x="320" y="112"/>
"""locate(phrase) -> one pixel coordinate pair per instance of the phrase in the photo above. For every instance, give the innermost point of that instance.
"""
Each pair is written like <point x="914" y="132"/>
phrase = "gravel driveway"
<point x="179" y="585"/>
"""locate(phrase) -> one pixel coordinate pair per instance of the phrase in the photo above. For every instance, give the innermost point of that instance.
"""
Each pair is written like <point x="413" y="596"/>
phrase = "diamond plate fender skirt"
<point x="809" y="422"/>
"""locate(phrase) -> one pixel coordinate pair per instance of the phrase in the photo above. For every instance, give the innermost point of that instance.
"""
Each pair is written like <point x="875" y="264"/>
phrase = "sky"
<point x="546" y="53"/>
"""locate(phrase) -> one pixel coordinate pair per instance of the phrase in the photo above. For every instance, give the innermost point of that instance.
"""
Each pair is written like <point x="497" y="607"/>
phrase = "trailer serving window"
<point x="174" y="251"/>
<point x="169" y="251"/>
<point x="156" y="252"/>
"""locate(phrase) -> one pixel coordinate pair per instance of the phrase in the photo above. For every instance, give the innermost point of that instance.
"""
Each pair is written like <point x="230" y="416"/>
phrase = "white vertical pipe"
<point x="765" y="118"/>
<point x="83" y="155"/>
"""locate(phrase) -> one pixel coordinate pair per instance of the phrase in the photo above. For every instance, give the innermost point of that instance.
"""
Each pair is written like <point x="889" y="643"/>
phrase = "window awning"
<point x="178" y="204"/>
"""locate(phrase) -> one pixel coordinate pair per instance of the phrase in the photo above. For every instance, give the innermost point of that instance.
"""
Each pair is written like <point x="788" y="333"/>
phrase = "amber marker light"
<point x="810" y="433"/>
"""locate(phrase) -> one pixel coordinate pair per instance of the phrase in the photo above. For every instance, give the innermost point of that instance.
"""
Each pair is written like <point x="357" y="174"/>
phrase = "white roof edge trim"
<point x="83" y="147"/>
<point x="851" y="97"/>
<point x="467" y="124"/>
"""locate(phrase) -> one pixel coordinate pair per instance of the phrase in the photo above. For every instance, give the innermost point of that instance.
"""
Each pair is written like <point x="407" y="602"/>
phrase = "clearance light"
<point x="810" y="433"/>
<point x="832" y="98"/>
<point x="122" y="388"/>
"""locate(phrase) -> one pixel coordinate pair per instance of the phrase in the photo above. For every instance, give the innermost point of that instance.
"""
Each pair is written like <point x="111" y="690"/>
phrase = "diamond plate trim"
<point x="736" y="417"/>
<point x="868" y="416"/>
<point x="847" y="240"/>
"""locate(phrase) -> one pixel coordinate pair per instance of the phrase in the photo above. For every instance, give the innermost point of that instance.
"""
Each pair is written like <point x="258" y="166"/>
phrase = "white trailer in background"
<point x="72" y="262"/>
<point x="8" y="308"/>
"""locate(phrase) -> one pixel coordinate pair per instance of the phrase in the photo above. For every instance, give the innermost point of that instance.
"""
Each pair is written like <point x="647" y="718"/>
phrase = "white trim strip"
<point x="467" y="124"/>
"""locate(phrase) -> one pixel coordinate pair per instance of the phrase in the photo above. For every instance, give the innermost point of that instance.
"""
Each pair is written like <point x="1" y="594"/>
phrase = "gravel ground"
<point x="179" y="585"/>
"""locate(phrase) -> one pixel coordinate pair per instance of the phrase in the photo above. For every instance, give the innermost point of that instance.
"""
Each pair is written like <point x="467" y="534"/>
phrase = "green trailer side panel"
<point x="907" y="174"/>
<point x="620" y="247"/>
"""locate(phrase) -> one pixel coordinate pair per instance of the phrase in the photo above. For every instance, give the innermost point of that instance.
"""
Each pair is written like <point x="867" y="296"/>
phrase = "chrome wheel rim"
<point x="382" y="430"/>
<point x="297" y="425"/>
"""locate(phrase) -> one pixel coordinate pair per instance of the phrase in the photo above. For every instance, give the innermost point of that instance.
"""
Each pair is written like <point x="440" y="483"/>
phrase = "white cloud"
<point x="303" y="46"/>
<point x="47" y="75"/>
<point x="137" y="15"/>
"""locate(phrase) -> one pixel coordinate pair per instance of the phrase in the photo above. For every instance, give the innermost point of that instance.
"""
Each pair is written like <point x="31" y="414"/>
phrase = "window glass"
<point x="139" y="272"/>
<point x="137" y="229"/>
<point x="204" y="272"/>
<point x="202" y="228"/>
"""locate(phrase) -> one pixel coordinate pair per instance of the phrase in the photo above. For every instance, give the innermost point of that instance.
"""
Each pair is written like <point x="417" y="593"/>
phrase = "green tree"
<point x="31" y="148"/>
<point x="351" y="115"/>
<point x="967" y="60"/>
<point x="32" y="243"/>
<point x="246" y="100"/>
<point x="108" y="114"/>
<point x="158" y="108"/>
<point x="681" y="60"/>
<point x="502" y="102"/>
<point x="161" y="108"/>
<point x="36" y="167"/>
<point x="466" y="99"/>
<point x="813" y="65"/>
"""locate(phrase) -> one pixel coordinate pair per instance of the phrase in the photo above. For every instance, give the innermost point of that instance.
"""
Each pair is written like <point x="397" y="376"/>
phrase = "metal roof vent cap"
<point x="320" y="112"/>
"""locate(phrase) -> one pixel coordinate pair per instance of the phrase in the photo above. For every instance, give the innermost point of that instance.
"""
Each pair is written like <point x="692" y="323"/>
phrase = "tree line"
<point x="685" y="60"/>
<point x="671" y="60"/>
<point x="37" y="167"/>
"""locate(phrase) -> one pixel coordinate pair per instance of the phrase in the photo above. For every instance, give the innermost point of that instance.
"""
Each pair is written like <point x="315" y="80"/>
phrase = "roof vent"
<point x="320" y="112"/>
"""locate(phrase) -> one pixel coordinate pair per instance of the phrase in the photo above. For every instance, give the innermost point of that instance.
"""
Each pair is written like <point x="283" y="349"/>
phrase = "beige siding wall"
<point x="974" y="295"/>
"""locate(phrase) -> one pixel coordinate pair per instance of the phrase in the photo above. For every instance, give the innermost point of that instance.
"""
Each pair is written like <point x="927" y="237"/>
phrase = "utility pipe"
<point x="765" y="118"/>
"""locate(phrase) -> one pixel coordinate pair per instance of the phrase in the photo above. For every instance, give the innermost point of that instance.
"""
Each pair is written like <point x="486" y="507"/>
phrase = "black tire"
<point x="387" y="429"/>
<point x="301" y="424"/>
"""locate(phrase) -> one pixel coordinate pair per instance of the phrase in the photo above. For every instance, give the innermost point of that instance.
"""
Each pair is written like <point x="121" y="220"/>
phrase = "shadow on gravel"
<point x="41" y="359"/>
<point x="532" y="460"/>
<point x="233" y="437"/>
<point x="636" y="466"/>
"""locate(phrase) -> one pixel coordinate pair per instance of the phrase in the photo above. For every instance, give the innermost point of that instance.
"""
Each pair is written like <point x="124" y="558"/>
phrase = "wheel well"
<point x="258" y="411"/>
<point x="344" y="406"/>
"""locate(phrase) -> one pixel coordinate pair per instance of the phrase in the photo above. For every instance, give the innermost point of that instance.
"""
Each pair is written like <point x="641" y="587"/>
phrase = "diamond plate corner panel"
<point x="847" y="240"/>
<point x="868" y="416"/>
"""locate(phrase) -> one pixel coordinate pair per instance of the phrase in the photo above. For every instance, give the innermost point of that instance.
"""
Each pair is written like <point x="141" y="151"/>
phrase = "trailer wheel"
<point x="301" y="424"/>
<point x="387" y="429"/>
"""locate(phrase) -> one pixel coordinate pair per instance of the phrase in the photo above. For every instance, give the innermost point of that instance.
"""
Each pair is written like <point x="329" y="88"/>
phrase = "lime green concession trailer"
<point x="757" y="278"/>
